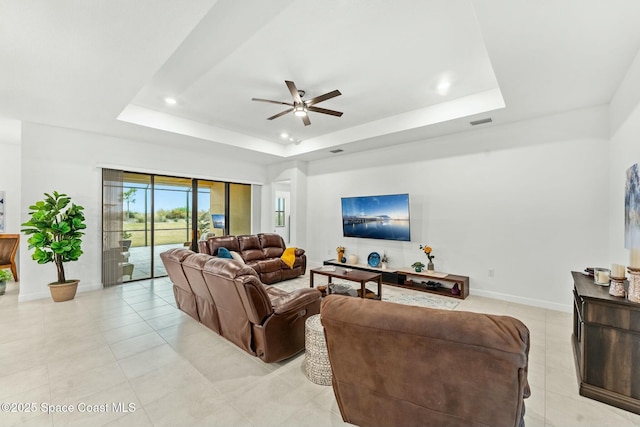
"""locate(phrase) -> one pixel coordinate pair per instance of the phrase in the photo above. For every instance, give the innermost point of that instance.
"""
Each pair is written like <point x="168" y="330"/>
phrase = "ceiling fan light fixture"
<point x="300" y="110"/>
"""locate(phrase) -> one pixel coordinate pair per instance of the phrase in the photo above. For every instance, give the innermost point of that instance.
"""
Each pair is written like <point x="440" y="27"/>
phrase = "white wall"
<point x="295" y="173"/>
<point x="10" y="166"/>
<point x="67" y="161"/>
<point x="532" y="213"/>
<point x="624" y="152"/>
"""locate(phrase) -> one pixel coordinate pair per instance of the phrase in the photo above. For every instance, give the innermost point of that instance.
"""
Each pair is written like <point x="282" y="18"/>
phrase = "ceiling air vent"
<point x="481" y="121"/>
<point x="337" y="150"/>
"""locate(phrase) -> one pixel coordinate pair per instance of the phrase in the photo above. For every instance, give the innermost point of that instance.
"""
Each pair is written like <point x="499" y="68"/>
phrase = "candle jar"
<point x="617" y="287"/>
<point x="601" y="276"/>
<point x="617" y="271"/>
<point x="633" y="293"/>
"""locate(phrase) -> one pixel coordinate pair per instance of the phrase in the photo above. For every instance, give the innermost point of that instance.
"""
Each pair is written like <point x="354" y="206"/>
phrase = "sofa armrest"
<point x="296" y="300"/>
<point x="299" y="252"/>
<point x="203" y="247"/>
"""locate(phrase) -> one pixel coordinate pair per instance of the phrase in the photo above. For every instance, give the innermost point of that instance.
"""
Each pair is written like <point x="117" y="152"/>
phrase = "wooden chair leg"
<point x="14" y="271"/>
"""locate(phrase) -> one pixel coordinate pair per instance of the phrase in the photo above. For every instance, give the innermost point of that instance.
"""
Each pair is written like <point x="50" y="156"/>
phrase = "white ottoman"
<point x="316" y="358"/>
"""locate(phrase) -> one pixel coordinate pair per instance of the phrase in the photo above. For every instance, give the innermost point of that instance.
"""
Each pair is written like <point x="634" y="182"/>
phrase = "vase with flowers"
<point x="428" y="252"/>
<point x="384" y="261"/>
<point x="340" y="251"/>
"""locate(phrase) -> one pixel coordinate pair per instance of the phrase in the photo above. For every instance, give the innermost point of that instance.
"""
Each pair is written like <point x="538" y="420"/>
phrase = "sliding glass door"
<point x="137" y="223"/>
<point x="162" y="212"/>
<point x="172" y="208"/>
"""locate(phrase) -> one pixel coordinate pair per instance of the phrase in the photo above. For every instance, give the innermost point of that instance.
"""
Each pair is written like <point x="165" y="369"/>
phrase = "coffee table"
<point x="358" y="276"/>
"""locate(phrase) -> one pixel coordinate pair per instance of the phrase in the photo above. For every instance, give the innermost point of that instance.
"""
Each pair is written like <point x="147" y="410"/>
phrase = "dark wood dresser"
<point x="606" y="344"/>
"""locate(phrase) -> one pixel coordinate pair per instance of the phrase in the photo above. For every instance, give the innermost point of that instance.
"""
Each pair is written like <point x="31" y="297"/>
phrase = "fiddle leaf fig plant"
<point x="55" y="229"/>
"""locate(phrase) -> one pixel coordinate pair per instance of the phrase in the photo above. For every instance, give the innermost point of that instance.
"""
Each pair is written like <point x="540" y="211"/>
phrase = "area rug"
<point x="389" y="293"/>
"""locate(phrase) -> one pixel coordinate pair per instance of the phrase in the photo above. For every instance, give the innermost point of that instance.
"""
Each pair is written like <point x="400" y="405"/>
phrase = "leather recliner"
<point x="400" y="365"/>
<point x="268" y="323"/>
<point x="193" y="266"/>
<point x="263" y="321"/>
<point x="261" y="252"/>
<point x="185" y="298"/>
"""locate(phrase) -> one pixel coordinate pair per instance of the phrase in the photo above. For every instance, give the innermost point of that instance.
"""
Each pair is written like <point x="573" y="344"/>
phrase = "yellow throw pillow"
<point x="289" y="256"/>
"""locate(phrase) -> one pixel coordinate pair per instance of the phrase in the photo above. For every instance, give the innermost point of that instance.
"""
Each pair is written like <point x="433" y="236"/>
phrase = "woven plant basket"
<point x="63" y="291"/>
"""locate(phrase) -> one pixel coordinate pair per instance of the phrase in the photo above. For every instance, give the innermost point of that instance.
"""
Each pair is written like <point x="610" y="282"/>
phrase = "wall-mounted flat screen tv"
<point x="376" y="217"/>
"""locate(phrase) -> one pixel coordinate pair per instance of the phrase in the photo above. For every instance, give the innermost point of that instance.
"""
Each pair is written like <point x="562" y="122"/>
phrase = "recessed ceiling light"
<point x="170" y="101"/>
<point x="443" y="87"/>
<point x="284" y="135"/>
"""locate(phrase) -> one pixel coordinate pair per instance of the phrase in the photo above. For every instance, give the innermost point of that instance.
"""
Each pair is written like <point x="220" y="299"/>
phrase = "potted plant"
<point x="384" y="261"/>
<point x="417" y="266"/>
<point x="126" y="240"/>
<point x="55" y="234"/>
<point x="4" y="276"/>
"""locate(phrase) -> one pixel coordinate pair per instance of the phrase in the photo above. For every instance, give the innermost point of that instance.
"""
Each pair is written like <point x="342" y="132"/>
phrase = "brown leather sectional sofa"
<point x="400" y="365"/>
<point x="229" y="298"/>
<point x="261" y="252"/>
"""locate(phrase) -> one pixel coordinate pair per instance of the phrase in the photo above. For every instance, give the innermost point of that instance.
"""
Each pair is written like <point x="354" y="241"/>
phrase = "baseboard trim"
<point x="567" y="308"/>
<point x="46" y="294"/>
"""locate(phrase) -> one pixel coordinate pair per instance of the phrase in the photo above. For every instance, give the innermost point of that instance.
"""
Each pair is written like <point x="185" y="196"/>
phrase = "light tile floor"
<point x="129" y="349"/>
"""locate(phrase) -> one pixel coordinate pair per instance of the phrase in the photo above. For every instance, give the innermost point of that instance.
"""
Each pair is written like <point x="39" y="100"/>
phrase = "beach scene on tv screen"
<point x="376" y="217"/>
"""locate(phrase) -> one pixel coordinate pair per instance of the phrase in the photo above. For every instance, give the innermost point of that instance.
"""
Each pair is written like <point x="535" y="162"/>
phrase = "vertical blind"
<point x="112" y="251"/>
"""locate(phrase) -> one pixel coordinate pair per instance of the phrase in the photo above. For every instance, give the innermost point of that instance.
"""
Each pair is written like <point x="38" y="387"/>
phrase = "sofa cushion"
<point x="272" y="252"/>
<point x="214" y="243"/>
<point x="250" y="248"/>
<point x="269" y="265"/>
<point x="271" y="240"/>
<point x="224" y="253"/>
<point x="235" y="255"/>
<point x="272" y="244"/>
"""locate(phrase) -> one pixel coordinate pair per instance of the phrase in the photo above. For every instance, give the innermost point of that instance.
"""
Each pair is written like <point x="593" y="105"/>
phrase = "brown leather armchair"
<point x="400" y="365"/>
<point x="268" y="323"/>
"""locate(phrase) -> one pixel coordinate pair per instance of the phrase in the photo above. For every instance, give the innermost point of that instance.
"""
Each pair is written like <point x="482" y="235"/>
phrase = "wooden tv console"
<point x="606" y="333"/>
<point x="409" y="279"/>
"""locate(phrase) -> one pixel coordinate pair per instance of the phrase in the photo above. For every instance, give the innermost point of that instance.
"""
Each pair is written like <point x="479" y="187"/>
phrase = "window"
<point x="280" y="212"/>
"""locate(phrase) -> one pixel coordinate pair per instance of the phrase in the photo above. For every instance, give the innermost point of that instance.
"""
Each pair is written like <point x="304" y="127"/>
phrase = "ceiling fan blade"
<point x="305" y="120"/>
<point x="280" y="114"/>
<point x="271" y="101"/>
<point x="325" y="111"/>
<point x="294" y="91"/>
<point x="324" y="97"/>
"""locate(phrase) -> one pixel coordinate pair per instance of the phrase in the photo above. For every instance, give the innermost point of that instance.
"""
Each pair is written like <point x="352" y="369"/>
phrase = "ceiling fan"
<point x="299" y="107"/>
